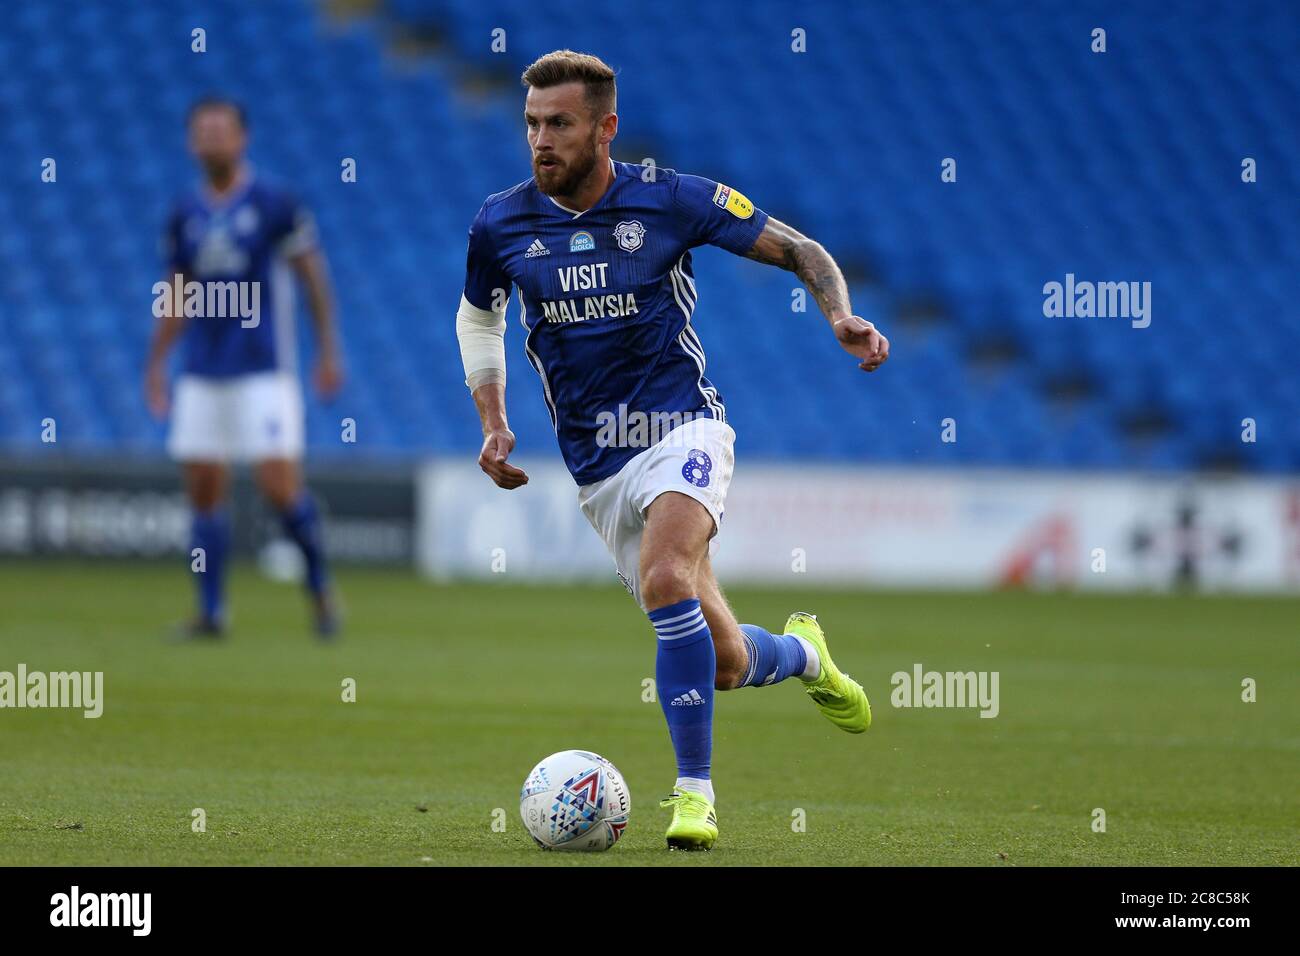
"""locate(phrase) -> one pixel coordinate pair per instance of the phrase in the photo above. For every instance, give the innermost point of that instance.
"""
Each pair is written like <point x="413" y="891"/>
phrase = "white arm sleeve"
<point x="482" y="335"/>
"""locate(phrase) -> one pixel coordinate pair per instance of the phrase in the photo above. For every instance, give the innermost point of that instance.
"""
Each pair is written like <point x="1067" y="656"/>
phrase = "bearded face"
<point x="563" y="137"/>
<point x="558" y="175"/>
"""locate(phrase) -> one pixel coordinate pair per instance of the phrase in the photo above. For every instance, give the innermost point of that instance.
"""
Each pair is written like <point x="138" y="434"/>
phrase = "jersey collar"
<point x="613" y="171"/>
<point x="214" y="203"/>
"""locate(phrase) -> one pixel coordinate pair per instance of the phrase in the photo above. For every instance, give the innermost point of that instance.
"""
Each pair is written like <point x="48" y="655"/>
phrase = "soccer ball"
<point x="575" y="800"/>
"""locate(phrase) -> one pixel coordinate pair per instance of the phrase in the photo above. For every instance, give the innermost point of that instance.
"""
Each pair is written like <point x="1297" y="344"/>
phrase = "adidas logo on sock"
<point x="536" y="249"/>
<point x="691" y="698"/>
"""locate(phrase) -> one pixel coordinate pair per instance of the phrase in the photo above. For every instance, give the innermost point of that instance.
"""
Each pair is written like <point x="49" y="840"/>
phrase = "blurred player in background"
<point x="600" y="252"/>
<point x="238" y="397"/>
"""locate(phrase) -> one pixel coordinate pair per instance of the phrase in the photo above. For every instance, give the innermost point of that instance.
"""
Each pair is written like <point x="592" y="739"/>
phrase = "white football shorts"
<point x="695" y="459"/>
<point x="245" y="418"/>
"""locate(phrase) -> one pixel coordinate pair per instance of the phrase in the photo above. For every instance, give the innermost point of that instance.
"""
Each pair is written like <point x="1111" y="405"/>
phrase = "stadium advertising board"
<point x="899" y="528"/>
<point x="120" y="510"/>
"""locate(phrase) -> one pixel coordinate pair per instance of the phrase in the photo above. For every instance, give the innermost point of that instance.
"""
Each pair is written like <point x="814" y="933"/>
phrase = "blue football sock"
<point x="302" y="523"/>
<point x="772" y="657"/>
<point x="685" y="670"/>
<point x="211" y="531"/>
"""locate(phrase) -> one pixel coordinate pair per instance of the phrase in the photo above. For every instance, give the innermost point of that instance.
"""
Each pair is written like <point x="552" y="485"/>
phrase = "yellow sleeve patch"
<point x="724" y="197"/>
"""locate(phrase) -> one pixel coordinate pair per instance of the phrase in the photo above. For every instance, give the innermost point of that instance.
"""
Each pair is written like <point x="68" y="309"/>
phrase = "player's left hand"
<point x="860" y="339"/>
<point x="329" y="375"/>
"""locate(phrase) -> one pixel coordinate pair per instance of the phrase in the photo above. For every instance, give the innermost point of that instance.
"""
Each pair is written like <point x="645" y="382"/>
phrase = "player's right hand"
<point x="155" y="390"/>
<point x="497" y="446"/>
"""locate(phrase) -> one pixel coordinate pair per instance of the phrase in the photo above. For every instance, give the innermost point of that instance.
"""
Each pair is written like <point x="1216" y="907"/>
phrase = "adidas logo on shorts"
<point x="691" y="698"/>
<point x="536" y="249"/>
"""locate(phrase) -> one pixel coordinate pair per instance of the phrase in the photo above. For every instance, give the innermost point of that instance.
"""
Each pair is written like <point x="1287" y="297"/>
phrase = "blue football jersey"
<point x="607" y="298"/>
<point x="244" y="238"/>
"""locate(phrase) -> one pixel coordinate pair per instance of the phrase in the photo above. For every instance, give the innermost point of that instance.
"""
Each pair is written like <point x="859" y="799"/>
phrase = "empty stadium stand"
<point x="1118" y="166"/>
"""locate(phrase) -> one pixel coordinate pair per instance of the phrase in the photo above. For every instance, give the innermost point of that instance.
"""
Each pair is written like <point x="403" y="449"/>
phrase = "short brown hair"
<point x="212" y="101"/>
<point x="566" y="66"/>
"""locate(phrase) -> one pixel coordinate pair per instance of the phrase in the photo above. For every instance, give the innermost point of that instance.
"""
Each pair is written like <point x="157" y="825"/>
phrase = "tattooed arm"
<point x="780" y="245"/>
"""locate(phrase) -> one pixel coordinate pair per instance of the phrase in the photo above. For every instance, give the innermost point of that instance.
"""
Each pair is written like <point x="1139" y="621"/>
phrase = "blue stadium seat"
<point x="1123" y="166"/>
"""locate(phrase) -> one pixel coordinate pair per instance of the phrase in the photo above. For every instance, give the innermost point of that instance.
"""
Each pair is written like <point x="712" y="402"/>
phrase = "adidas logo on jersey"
<point x="691" y="698"/>
<point x="536" y="249"/>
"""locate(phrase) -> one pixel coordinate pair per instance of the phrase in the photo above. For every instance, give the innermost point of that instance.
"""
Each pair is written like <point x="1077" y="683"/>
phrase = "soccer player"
<point x="229" y="301"/>
<point x="600" y="253"/>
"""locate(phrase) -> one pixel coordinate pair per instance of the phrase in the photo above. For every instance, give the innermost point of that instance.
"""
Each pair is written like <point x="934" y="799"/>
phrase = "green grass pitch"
<point x="1129" y="704"/>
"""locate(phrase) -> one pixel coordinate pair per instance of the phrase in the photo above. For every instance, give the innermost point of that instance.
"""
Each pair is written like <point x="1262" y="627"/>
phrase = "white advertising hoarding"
<point x="898" y="528"/>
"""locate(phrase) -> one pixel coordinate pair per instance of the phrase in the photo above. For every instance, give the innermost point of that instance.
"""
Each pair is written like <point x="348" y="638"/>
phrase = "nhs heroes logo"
<point x="75" y="908"/>
<point x="592" y="277"/>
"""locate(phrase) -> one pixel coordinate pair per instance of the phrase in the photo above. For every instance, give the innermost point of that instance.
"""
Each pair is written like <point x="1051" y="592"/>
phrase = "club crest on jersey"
<point x="581" y="242"/>
<point x="724" y="197"/>
<point x="629" y="235"/>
